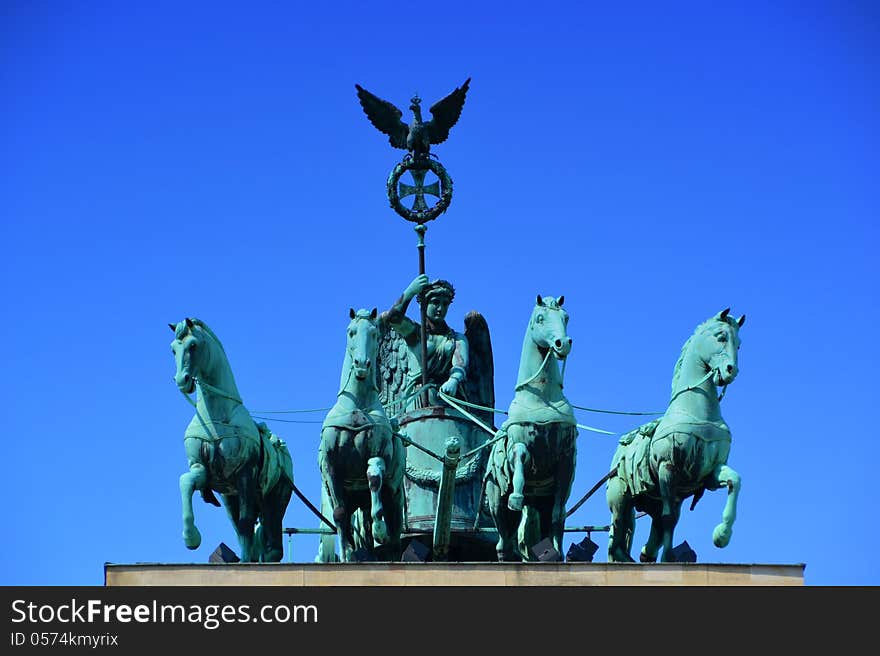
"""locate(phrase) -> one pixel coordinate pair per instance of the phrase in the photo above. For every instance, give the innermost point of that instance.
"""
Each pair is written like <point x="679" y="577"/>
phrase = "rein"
<point x="210" y="388"/>
<point x="214" y="390"/>
<point x="537" y="373"/>
<point x="702" y="380"/>
<point x="562" y="378"/>
<point x="613" y="472"/>
<point x="218" y="391"/>
<point x="188" y="398"/>
<point x="223" y="394"/>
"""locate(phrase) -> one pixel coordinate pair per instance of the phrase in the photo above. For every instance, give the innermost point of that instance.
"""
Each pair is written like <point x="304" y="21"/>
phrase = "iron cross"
<point x="420" y="189"/>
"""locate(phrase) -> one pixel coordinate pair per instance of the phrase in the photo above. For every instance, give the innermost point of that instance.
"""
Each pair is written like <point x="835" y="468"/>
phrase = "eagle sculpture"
<point x="418" y="136"/>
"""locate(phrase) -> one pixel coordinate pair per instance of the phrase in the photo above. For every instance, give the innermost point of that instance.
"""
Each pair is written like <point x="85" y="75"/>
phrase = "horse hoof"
<point x="272" y="556"/>
<point x="516" y="501"/>
<point x="380" y="531"/>
<point x="192" y="538"/>
<point x="721" y="536"/>
<point x="619" y="556"/>
<point x="645" y="558"/>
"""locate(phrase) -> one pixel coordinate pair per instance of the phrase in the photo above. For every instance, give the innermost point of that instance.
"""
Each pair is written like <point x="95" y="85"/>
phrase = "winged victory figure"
<point x="418" y="136"/>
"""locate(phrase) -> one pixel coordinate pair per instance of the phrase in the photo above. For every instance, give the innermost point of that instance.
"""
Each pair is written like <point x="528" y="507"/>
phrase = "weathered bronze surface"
<point x="531" y="470"/>
<point x="410" y="448"/>
<point x="418" y="136"/>
<point x="459" y="365"/>
<point x="361" y="460"/>
<point x="227" y="451"/>
<point x="683" y="453"/>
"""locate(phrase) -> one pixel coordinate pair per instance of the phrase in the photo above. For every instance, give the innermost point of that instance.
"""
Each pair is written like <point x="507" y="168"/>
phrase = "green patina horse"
<point x="361" y="460"/>
<point x="227" y="451"/>
<point x="531" y="470"/>
<point x="681" y="454"/>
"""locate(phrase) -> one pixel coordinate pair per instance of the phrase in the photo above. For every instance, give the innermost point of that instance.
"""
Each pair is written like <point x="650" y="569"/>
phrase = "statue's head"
<point x="438" y="290"/>
<point x="436" y="298"/>
<point x="415" y="103"/>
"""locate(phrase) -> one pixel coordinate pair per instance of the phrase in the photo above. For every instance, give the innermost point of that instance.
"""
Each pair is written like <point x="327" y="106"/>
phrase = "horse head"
<point x="548" y="326"/>
<point x="362" y="346"/>
<point x="188" y="356"/>
<point x="718" y="346"/>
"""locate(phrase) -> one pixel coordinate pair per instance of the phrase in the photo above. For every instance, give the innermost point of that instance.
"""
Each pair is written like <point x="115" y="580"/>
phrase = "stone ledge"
<point x="450" y="574"/>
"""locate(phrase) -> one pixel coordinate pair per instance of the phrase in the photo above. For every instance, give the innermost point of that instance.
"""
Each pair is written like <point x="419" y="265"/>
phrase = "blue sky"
<point x="653" y="163"/>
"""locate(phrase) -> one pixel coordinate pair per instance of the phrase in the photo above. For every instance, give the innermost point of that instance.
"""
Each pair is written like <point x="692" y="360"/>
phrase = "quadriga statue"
<point x="683" y="453"/>
<point x="227" y="451"/>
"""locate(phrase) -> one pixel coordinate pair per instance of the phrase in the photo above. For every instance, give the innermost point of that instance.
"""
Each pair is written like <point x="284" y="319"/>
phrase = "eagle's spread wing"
<point x="446" y="113"/>
<point x="385" y="116"/>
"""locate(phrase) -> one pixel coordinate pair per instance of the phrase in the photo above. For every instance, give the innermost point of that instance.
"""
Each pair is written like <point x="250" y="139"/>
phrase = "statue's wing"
<point x="446" y="113"/>
<point x="479" y="383"/>
<point x="393" y="367"/>
<point x="385" y="116"/>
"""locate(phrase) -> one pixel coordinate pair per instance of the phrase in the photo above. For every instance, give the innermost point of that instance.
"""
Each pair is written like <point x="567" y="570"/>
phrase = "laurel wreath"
<point x="393" y="190"/>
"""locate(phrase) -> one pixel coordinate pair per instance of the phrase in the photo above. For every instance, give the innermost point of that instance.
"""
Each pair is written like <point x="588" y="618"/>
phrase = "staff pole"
<point x="421" y="229"/>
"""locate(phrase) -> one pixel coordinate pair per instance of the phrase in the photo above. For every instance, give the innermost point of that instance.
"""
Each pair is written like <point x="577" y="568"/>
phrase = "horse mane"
<point x="182" y="328"/>
<point x="699" y="330"/>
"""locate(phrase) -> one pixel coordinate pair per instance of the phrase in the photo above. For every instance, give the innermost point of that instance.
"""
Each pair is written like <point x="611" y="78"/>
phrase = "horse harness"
<point x="208" y="440"/>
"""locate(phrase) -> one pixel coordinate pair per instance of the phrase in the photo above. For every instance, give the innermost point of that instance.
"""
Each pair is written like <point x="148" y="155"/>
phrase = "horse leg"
<point x="518" y="457"/>
<point x="233" y="508"/>
<point x="666" y="477"/>
<point x="195" y="479"/>
<point x="247" y="516"/>
<point x="667" y="525"/>
<point x="530" y="530"/>
<point x="650" y="551"/>
<point x="725" y="476"/>
<point x="505" y="525"/>
<point x="326" y="543"/>
<point x="395" y="499"/>
<point x="508" y="524"/>
<point x="564" y="480"/>
<point x="668" y="514"/>
<point x="622" y="521"/>
<point x="394" y="521"/>
<point x="342" y="519"/>
<point x="375" y="473"/>
<point x="272" y="548"/>
<point x="335" y="491"/>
